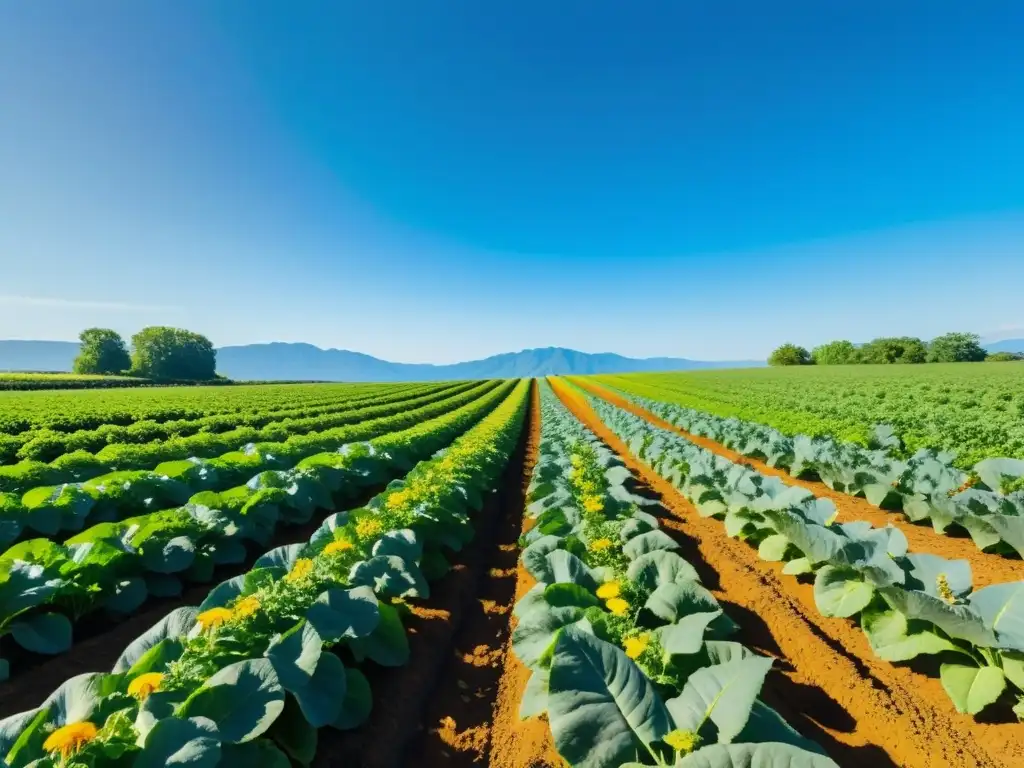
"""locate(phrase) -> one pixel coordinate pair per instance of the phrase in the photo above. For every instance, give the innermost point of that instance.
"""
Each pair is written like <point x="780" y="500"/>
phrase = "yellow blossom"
<point x="397" y="499"/>
<point x="635" y="646"/>
<point x="70" y="738"/>
<point x="367" y="527"/>
<point x="145" y="684"/>
<point x="618" y="606"/>
<point x="246" y="607"/>
<point x="303" y="567"/>
<point x="609" y="590"/>
<point x="576" y="460"/>
<point x="213" y="617"/>
<point x="599" y="545"/>
<point x="588" y="486"/>
<point x="337" y="547"/>
<point x="593" y="503"/>
<point x="943" y="588"/>
<point x="682" y="741"/>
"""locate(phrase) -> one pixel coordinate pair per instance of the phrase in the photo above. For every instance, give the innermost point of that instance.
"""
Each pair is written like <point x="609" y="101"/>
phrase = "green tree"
<point x="835" y="353"/>
<point x="894" y="349"/>
<point x="1004" y="357"/>
<point x="102" y="352"/>
<point x="159" y="352"/>
<point x="956" y="348"/>
<point x="789" y="354"/>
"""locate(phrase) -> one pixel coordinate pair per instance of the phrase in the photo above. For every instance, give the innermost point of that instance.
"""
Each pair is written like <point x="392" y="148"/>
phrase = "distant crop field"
<point x="973" y="409"/>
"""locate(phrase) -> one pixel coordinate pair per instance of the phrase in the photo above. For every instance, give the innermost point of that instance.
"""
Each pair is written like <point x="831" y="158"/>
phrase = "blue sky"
<point x="428" y="181"/>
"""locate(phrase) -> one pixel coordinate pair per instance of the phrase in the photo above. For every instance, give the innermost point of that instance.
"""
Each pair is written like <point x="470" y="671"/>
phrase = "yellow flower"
<point x="682" y="741"/>
<point x="588" y="486"/>
<point x="618" y="606"/>
<point x="213" y="617"/>
<point x="70" y="738"/>
<point x="145" y="684"/>
<point x="576" y="460"/>
<point x="337" y="547"/>
<point x="593" y="503"/>
<point x="943" y="588"/>
<point x="246" y="607"/>
<point x="599" y="545"/>
<point x="609" y="590"/>
<point x="367" y="528"/>
<point x="635" y="646"/>
<point x="397" y="499"/>
<point x="303" y="567"/>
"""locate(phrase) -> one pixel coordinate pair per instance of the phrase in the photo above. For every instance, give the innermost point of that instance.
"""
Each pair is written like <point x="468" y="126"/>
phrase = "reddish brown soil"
<point x="986" y="567"/>
<point x="472" y="717"/>
<point x="438" y="707"/>
<point x="829" y="685"/>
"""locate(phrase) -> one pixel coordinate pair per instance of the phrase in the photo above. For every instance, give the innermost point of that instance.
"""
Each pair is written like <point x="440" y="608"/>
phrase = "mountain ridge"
<point x="299" y="361"/>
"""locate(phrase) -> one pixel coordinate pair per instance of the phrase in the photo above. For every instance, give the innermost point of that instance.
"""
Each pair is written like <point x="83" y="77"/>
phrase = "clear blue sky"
<point x="434" y="181"/>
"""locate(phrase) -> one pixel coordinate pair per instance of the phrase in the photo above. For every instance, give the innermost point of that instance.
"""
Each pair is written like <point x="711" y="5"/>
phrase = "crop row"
<point x="926" y="486"/>
<point x="274" y="654"/>
<point x="45" y="586"/>
<point x="626" y="648"/>
<point x="67" y="411"/>
<point x="79" y="466"/>
<point x="47" y="444"/>
<point x="908" y="604"/>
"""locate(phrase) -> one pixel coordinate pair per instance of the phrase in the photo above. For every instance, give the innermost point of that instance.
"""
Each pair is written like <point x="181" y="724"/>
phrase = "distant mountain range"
<point x="304" y="361"/>
<point x="1006" y="345"/>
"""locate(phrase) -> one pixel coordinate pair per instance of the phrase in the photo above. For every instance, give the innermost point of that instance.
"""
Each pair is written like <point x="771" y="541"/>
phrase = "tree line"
<point x="948" y="348"/>
<point x="157" y="352"/>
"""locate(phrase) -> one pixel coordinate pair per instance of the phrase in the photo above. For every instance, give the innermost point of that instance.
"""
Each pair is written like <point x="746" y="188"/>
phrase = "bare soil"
<point x="828" y="683"/>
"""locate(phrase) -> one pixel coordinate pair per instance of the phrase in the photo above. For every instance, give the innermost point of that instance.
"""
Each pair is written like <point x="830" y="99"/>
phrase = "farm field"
<point x="519" y="573"/>
<point x="975" y="410"/>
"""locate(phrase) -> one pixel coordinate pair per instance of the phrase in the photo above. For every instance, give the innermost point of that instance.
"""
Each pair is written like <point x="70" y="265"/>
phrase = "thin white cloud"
<point x="53" y="302"/>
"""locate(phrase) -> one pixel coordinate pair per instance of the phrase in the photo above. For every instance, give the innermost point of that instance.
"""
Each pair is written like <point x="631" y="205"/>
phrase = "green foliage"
<point x="956" y="348"/>
<point x="894" y="349"/>
<point x="835" y="353"/>
<point x="1004" y="357"/>
<point x="789" y="354"/>
<point x="102" y="352"/>
<point x="160" y="352"/>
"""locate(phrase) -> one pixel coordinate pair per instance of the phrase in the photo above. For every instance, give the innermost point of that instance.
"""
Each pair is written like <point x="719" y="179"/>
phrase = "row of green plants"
<point x="273" y="655"/>
<point x="908" y="604"/>
<point x="45" y="587"/>
<point x="73" y="411"/>
<point x="627" y="650"/>
<point x="79" y="466"/>
<point x="47" y="445"/>
<point x="986" y="502"/>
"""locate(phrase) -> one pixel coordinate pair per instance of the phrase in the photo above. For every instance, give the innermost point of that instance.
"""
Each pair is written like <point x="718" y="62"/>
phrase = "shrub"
<point x="790" y="354"/>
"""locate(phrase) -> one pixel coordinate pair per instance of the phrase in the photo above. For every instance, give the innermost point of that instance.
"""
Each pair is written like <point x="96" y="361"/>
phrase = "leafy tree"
<point x="835" y="353"/>
<point x="102" y="352"/>
<point x="956" y="348"/>
<point x="1004" y="357"/>
<point x="789" y="354"/>
<point x="159" y="352"/>
<point x="895" y="349"/>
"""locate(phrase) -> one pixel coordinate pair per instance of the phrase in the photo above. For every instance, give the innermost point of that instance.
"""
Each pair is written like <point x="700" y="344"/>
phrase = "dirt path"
<point x="987" y="568"/>
<point x="864" y="711"/>
<point x="437" y="708"/>
<point x="472" y="718"/>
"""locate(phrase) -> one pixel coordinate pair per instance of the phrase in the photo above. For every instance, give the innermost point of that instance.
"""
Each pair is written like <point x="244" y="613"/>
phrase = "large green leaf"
<point x="687" y="635"/>
<point x="892" y="639"/>
<point x="602" y="709"/>
<point x="243" y="699"/>
<point x="295" y="654"/>
<point x="176" y="624"/>
<point x="358" y="701"/>
<point x="193" y="742"/>
<point x="1001" y="607"/>
<point x="294" y="734"/>
<point x="344" y="613"/>
<point x="322" y="698"/>
<point x="841" y="592"/>
<point x="972" y="688"/>
<point x="671" y="601"/>
<point x="535" y="557"/>
<point x="534" y="634"/>
<point x="769" y="755"/>
<point x="403" y="544"/>
<point x="390" y="576"/>
<point x="43" y="633"/>
<point x="958" y="621"/>
<point x="652" y="541"/>
<point x="562" y="595"/>
<point x="388" y="644"/>
<point x="653" y="569"/>
<point x="721" y="695"/>
<point x="566" y="568"/>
